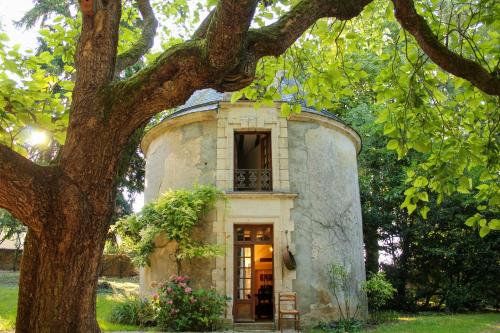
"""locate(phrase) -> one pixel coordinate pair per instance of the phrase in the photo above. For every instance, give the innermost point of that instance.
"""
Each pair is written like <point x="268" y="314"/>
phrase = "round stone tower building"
<point x="291" y="183"/>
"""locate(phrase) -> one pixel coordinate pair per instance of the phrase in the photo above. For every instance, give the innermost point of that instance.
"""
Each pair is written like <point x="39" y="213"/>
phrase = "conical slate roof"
<point x="207" y="99"/>
<point x="201" y="97"/>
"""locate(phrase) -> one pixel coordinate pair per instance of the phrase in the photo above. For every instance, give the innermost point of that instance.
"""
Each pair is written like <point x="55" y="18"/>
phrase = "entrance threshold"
<point x="257" y="326"/>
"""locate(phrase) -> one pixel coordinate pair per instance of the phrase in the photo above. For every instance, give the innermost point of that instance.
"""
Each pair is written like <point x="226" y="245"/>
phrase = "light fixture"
<point x="271" y="248"/>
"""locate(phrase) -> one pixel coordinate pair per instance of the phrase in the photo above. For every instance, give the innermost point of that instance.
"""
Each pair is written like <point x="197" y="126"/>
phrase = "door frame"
<point x="252" y="242"/>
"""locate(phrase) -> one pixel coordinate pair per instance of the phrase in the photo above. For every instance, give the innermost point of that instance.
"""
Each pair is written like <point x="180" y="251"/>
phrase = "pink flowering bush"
<point x="180" y="308"/>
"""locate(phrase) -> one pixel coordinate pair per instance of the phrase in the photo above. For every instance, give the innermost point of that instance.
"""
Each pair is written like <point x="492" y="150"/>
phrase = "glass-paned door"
<point x="244" y="310"/>
<point x="253" y="273"/>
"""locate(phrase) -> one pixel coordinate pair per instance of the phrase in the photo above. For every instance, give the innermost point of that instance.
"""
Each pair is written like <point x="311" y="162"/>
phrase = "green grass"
<point x="106" y="301"/>
<point x="438" y="323"/>
<point x="459" y="323"/>
<point x="128" y="287"/>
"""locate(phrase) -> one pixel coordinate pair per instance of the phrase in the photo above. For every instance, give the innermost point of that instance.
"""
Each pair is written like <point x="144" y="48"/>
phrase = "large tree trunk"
<point x="59" y="270"/>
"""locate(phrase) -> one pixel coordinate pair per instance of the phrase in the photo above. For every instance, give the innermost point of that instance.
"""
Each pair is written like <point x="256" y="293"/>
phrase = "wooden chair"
<point x="287" y="309"/>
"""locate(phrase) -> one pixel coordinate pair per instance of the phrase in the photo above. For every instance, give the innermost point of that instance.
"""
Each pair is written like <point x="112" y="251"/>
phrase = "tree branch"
<point x="227" y="32"/>
<point x="230" y="62"/>
<point x="201" y="32"/>
<point x="450" y="61"/>
<point x="23" y="187"/>
<point x="274" y="39"/>
<point x="169" y="82"/>
<point x="144" y="43"/>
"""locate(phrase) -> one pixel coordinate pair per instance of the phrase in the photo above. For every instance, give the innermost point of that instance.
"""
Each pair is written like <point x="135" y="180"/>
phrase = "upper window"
<point x="252" y="161"/>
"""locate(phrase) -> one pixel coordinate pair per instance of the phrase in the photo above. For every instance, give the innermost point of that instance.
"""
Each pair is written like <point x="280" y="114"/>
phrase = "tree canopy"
<point x="454" y="121"/>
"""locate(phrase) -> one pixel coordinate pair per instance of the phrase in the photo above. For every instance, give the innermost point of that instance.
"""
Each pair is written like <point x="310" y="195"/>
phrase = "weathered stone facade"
<point x="314" y="205"/>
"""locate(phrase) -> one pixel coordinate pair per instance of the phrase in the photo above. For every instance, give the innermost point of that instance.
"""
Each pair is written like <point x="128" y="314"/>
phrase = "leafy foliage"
<point x="424" y="111"/>
<point x="379" y="290"/>
<point x="438" y="256"/>
<point x="421" y="108"/>
<point x="134" y="311"/>
<point x="433" y="252"/>
<point x="182" y="309"/>
<point x="175" y="214"/>
<point x="10" y="228"/>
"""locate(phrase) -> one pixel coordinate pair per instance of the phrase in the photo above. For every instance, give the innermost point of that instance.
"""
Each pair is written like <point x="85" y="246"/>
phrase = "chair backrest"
<point x="287" y="299"/>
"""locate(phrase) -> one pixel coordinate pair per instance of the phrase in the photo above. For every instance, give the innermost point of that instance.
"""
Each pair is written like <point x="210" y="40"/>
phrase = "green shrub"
<point x="379" y="290"/>
<point x="461" y="298"/>
<point x="342" y="326"/>
<point x="134" y="311"/>
<point x="342" y="288"/>
<point x="180" y="308"/>
<point x="175" y="214"/>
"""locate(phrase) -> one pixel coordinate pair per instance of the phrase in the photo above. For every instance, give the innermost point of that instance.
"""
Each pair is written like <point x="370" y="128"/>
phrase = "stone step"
<point x="254" y="327"/>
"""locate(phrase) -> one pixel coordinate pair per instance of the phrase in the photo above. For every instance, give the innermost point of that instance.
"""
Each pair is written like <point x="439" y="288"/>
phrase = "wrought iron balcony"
<point x="253" y="180"/>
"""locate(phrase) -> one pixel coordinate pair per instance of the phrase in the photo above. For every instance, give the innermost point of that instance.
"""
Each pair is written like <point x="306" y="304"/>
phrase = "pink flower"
<point x="182" y="285"/>
<point x="180" y="278"/>
<point x="170" y="301"/>
<point x="188" y="290"/>
<point x="192" y="299"/>
<point x="155" y="296"/>
<point x="169" y="290"/>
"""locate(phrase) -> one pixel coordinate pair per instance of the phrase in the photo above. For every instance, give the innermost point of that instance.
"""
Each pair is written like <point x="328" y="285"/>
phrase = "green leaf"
<point x="285" y="110"/>
<point x="411" y="208"/>
<point x="422" y="147"/>
<point x="421" y="181"/>
<point x="423" y="196"/>
<point x="392" y="144"/>
<point x="484" y="231"/>
<point x="494" y="224"/>
<point x="236" y="95"/>
<point x="472" y="221"/>
<point x="351" y="35"/>
<point x="423" y="211"/>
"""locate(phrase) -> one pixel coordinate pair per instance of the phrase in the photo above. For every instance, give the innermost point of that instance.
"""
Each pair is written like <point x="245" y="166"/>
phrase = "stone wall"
<point x="8" y="260"/>
<point x="181" y="155"/>
<point x="112" y="265"/>
<point x="117" y="265"/>
<point x="326" y="214"/>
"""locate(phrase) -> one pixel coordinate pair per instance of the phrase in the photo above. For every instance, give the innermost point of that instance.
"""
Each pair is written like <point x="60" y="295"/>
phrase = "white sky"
<point x="12" y="11"/>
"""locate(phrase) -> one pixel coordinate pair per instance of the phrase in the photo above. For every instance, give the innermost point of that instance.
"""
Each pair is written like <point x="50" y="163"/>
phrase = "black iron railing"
<point x="253" y="180"/>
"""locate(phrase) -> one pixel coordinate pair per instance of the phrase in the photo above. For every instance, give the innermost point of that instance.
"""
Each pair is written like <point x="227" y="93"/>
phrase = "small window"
<point x="252" y="161"/>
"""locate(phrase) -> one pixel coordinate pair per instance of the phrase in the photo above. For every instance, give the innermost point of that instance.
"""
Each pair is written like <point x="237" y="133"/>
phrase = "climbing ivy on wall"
<point x="175" y="215"/>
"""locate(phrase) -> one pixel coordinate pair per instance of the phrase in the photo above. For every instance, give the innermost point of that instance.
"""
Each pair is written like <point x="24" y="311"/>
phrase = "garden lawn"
<point x="123" y="288"/>
<point x="106" y="300"/>
<point x="435" y="323"/>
